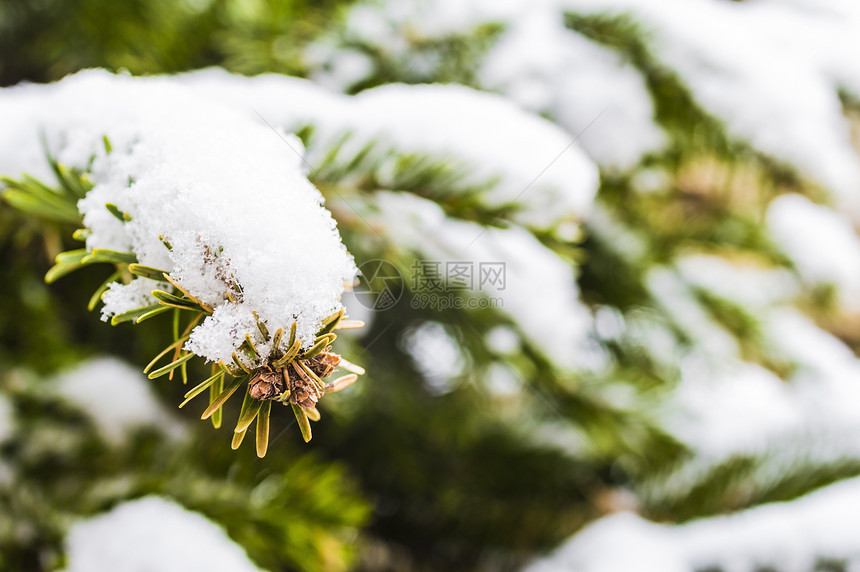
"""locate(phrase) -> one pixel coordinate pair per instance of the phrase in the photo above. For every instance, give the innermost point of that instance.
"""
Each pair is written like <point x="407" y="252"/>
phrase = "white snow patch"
<point x="752" y="286"/>
<point x="586" y="88"/>
<point x="781" y="536"/>
<point x="436" y="355"/>
<point x="536" y="62"/>
<point x="7" y="424"/>
<point x="818" y="354"/>
<point x="117" y="398"/>
<point x="536" y="165"/>
<point x="732" y="408"/>
<point x="727" y="408"/>
<point x="676" y="298"/>
<point x="153" y="534"/>
<point x="502" y="340"/>
<point x="501" y="381"/>
<point x="136" y="294"/>
<point x="822" y="243"/>
<point x="542" y="171"/>
<point x="775" y="83"/>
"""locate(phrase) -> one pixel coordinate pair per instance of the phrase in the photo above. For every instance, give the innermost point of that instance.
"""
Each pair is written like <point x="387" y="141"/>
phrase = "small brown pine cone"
<point x="266" y="384"/>
<point x="303" y="390"/>
<point x="323" y="364"/>
<point x="304" y="398"/>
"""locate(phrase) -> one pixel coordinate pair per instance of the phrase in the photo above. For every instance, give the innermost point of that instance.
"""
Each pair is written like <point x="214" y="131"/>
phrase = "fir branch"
<point x="251" y="372"/>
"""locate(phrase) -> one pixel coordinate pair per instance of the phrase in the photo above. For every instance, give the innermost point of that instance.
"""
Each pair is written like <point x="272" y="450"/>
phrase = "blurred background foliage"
<point x="458" y="479"/>
<point x="45" y="40"/>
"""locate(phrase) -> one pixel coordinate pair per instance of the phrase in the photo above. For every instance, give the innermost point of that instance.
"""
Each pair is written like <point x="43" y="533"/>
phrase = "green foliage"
<point x="452" y="59"/>
<point x="459" y="480"/>
<point x="48" y="39"/>
<point x="295" y="512"/>
<point x="743" y="481"/>
<point x="348" y="167"/>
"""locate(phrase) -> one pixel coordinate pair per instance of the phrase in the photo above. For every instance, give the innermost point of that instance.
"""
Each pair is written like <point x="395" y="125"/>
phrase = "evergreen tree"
<point x="678" y="284"/>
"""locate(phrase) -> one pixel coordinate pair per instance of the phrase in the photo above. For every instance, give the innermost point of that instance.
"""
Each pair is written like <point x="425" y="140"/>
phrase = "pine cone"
<point x="266" y="384"/>
<point x="323" y="364"/>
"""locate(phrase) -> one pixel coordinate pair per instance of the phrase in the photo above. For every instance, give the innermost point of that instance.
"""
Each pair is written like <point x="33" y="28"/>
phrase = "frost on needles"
<point x="205" y="213"/>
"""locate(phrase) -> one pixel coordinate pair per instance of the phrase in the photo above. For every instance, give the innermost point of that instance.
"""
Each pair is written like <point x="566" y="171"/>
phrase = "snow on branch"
<point x="776" y="83"/>
<point x="535" y="169"/>
<point x="797" y="535"/>
<point x="205" y="213"/>
<point x="539" y="285"/>
<point x="153" y="533"/>
<point x="218" y="201"/>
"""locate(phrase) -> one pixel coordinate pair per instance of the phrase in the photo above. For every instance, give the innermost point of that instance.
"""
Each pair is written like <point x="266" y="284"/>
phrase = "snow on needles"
<point x="798" y="535"/>
<point x="535" y="61"/>
<point x="821" y="242"/>
<point x="753" y="65"/>
<point x="117" y="398"/>
<point x="772" y="70"/>
<point x="151" y="534"/>
<point x="539" y="291"/>
<point x="218" y="200"/>
<point x="532" y="164"/>
<point x="540" y="170"/>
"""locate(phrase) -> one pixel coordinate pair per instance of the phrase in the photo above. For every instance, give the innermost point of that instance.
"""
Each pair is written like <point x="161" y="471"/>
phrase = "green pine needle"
<point x="107" y="255"/>
<point x="171" y="366"/>
<point x="222" y="398"/>
<point x="263" y="428"/>
<point x="147" y="272"/>
<point x="304" y="424"/>
<point x="197" y="390"/>
<point x="132" y="314"/>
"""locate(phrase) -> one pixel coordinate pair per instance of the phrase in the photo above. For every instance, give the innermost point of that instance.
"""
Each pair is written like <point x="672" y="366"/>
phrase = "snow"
<point x="436" y="354"/>
<point x="117" y="398"/>
<point x="422" y="18"/>
<point x="821" y="242"/>
<point x="501" y="381"/>
<point x="540" y="171"/>
<point x="775" y="84"/>
<point x="534" y="164"/>
<point x="733" y="408"/>
<point x="809" y="415"/>
<point x="229" y="194"/>
<point x="816" y="353"/>
<point x="502" y="340"/>
<point x="536" y="62"/>
<point x="679" y="302"/>
<point x="809" y="418"/>
<point x="7" y="425"/>
<point x="152" y="534"/>
<point x="784" y="60"/>
<point x="584" y="87"/>
<point x="539" y="292"/>
<point x="120" y="297"/>
<point x="748" y="283"/>
<point x="339" y="67"/>
<point x="609" y="323"/>
<point x="781" y="536"/>
<point x="726" y="406"/>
